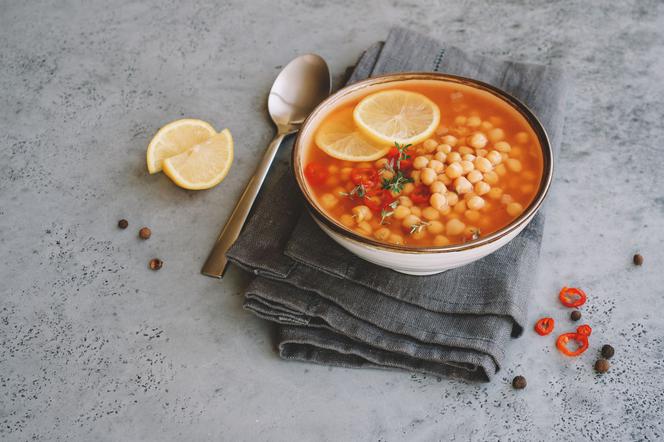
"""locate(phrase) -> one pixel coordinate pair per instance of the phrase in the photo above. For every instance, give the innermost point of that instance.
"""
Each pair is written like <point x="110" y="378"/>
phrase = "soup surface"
<point x="474" y="174"/>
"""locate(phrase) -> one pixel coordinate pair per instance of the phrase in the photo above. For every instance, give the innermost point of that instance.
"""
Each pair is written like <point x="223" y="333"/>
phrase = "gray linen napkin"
<point x="337" y="309"/>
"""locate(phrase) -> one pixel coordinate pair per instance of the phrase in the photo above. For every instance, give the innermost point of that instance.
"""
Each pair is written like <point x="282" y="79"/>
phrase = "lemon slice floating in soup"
<point x="397" y="116"/>
<point x="338" y="137"/>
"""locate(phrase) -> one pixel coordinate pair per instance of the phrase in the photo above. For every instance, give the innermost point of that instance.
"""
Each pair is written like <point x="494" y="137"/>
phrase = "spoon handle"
<point x="216" y="263"/>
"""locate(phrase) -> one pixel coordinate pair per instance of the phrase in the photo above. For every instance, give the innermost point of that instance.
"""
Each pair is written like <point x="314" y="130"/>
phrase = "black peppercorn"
<point x="156" y="263"/>
<point x="608" y="351"/>
<point x="602" y="366"/>
<point x="575" y="315"/>
<point x="638" y="260"/>
<point x="144" y="233"/>
<point x="519" y="382"/>
<point x="123" y="224"/>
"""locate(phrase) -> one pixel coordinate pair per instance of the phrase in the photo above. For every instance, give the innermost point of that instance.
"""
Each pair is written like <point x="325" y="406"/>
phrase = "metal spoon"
<point x="298" y="89"/>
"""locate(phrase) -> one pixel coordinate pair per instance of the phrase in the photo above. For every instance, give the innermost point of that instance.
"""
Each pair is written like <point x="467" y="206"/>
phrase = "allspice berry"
<point x="602" y="366"/>
<point x="575" y="315"/>
<point x="638" y="260"/>
<point x="145" y="233"/>
<point x="519" y="382"/>
<point x="608" y="351"/>
<point x="156" y="263"/>
<point x="123" y="224"/>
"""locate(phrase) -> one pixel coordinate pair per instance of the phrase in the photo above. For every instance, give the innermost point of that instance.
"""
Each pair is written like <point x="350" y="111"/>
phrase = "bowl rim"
<point x="518" y="105"/>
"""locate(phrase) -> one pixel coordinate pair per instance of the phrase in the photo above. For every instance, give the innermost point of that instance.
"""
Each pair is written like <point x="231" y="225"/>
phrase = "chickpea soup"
<point x="475" y="171"/>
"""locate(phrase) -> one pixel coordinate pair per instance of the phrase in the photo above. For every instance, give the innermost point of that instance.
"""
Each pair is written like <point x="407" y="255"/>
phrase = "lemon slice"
<point x="397" y="116"/>
<point x="204" y="165"/>
<point x="175" y="138"/>
<point x="339" y="138"/>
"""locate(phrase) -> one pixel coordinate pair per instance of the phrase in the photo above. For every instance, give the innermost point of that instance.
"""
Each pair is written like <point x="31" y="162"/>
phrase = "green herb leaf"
<point x="397" y="182"/>
<point x="358" y="191"/>
<point x="417" y="227"/>
<point x="385" y="213"/>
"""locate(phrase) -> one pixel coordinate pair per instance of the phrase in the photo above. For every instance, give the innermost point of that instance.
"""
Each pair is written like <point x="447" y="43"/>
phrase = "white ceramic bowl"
<point x="409" y="259"/>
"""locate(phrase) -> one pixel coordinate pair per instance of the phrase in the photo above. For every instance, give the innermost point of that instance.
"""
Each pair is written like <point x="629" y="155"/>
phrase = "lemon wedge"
<point x="339" y="138"/>
<point x="204" y="165"/>
<point x="397" y="116"/>
<point x="175" y="138"/>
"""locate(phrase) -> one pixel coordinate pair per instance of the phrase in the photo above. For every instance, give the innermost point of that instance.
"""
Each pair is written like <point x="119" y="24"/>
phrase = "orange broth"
<point x="464" y="111"/>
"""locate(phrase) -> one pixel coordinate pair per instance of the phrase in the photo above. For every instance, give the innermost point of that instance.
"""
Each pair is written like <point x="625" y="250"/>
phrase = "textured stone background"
<point x="93" y="345"/>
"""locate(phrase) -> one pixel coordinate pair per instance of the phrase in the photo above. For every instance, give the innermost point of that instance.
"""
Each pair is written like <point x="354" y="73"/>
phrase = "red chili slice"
<point x="365" y="176"/>
<point x="316" y="173"/>
<point x="544" y="326"/>
<point x="572" y="297"/>
<point x="420" y="194"/>
<point x="584" y="330"/>
<point x="563" y="341"/>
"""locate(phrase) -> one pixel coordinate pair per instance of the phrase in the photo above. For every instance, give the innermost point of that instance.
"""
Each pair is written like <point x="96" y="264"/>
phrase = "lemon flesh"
<point x="204" y="165"/>
<point x="397" y="116"/>
<point x="175" y="138"/>
<point x="338" y="137"/>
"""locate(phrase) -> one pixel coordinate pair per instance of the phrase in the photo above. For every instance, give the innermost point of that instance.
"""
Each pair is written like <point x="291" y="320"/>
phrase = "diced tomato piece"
<point x="316" y="173"/>
<point x="420" y="195"/>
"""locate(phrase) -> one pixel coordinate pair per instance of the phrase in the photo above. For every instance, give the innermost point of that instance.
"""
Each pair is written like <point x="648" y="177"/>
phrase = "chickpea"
<point x="364" y="228"/>
<point x="409" y="221"/>
<point x="442" y="130"/>
<point x="483" y="165"/>
<point x="428" y="176"/>
<point x="361" y="213"/>
<point x="529" y="175"/>
<point x="440" y="156"/>
<point x="460" y="207"/>
<point x="460" y="120"/>
<point x="364" y="165"/>
<point x="472" y="215"/>
<point x="516" y="152"/>
<point x="415" y="210"/>
<point x="474" y="121"/>
<point x="430" y="145"/>
<point x="527" y="189"/>
<point x="395" y="239"/>
<point x="415" y="176"/>
<point x="386" y="174"/>
<point x="339" y="191"/>
<point x="496" y="134"/>
<point x="495" y="157"/>
<point x="501" y="170"/>
<point x="514" y="165"/>
<point x="495" y="193"/>
<point x="438" y="201"/>
<point x="469" y="195"/>
<point x="475" y="203"/>
<point x="347" y="220"/>
<point x="453" y="157"/>
<point x="401" y="212"/>
<point x="452" y="198"/>
<point x="478" y="140"/>
<point x="496" y="120"/>
<point x="420" y="162"/>
<point x="474" y="176"/>
<point x="454" y="170"/>
<point x="405" y="201"/>
<point x="481" y="188"/>
<point x="345" y="173"/>
<point x="380" y="163"/>
<point x="504" y="156"/>
<point x="491" y="177"/>
<point x="462" y="185"/>
<point x="444" y="148"/>
<point x="465" y="150"/>
<point x="328" y="201"/>
<point x="332" y="181"/>
<point x="468" y="157"/>
<point x="408" y="188"/>
<point x="467" y="166"/>
<point x="443" y="178"/>
<point x="435" y="227"/>
<point x="481" y="152"/>
<point x="382" y="234"/>
<point x="430" y="214"/>
<point x="454" y="227"/>
<point x="450" y="139"/>
<point x="440" y="241"/>
<point x="437" y="166"/>
<point x="506" y="198"/>
<point x="418" y="234"/>
<point x="446" y="210"/>
<point x="438" y="187"/>
<point x="486" y="125"/>
<point x="521" y="137"/>
<point x="502" y="146"/>
<point x="514" y="209"/>
<point x="333" y="168"/>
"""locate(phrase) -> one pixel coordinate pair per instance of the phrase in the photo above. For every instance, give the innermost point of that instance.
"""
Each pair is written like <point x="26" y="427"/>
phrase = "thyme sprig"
<point x="358" y="191"/>
<point x="403" y="153"/>
<point x="417" y="227"/>
<point x="386" y="212"/>
<point x="396" y="183"/>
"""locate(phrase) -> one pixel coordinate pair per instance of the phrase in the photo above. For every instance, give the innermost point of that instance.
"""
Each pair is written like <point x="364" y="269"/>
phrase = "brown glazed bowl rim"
<point x="336" y="227"/>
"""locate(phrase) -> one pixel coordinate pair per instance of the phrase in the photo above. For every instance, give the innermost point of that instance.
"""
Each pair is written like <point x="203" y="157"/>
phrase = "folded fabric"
<point x="334" y="308"/>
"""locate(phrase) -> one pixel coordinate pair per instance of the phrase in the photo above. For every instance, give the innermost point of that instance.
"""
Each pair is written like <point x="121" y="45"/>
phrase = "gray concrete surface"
<point x="94" y="346"/>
